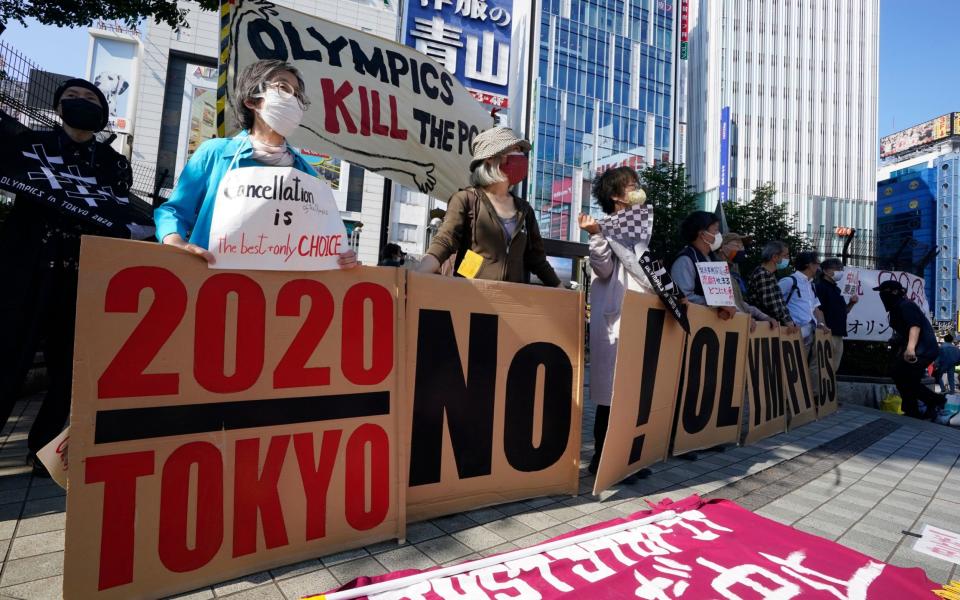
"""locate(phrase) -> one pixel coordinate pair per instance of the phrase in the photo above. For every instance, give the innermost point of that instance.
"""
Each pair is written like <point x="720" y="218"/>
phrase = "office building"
<point x="786" y="92"/>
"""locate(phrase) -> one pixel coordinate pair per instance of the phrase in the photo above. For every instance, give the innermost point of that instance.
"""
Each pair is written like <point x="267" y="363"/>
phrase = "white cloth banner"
<point x="275" y="218"/>
<point x="375" y="103"/>
<point x="868" y="319"/>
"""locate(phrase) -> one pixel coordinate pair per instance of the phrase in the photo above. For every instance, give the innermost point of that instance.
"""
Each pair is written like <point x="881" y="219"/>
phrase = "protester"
<point x="914" y="347"/>
<point x="485" y="221"/>
<point x="763" y="291"/>
<point x="701" y="231"/>
<point x="41" y="250"/>
<point x="392" y="256"/>
<point x="615" y="190"/>
<point x="732" y="250"/>
<point x="833" y="306"/>
<point x="948" y="357"/>
<point x="269" y="99"/>
<point x="800" y="297"/>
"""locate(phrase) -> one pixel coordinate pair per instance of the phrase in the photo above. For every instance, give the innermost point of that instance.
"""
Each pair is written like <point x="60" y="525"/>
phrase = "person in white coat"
<point x="615" y="190"/>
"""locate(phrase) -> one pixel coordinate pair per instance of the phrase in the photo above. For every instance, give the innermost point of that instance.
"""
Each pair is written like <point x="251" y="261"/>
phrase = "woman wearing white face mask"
<point x="270" y="102"/>
<point x="701" y="231"/>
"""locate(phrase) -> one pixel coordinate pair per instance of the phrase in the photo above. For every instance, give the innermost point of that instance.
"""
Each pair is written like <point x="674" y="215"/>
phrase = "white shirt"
<point x="802" y="302"/>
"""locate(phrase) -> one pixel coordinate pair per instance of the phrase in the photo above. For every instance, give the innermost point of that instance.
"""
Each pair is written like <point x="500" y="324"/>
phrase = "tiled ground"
<point x="851" y="478"/>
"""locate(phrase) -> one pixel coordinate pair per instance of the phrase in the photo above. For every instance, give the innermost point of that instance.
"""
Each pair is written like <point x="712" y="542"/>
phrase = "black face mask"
<point x="890" y="300"/>
<point x="739" y="258"/>
<point x="82" y="114"/>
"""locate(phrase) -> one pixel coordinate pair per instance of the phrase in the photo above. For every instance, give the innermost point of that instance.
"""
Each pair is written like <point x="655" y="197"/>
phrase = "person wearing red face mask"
<point x="496" y="231"/>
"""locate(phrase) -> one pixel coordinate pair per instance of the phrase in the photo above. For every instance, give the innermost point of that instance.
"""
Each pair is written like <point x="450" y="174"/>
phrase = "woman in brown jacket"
<point x="487" y="220"/>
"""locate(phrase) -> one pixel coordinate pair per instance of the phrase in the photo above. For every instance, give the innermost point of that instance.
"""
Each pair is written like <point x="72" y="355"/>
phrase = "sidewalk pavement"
<point x="859" y="477"/>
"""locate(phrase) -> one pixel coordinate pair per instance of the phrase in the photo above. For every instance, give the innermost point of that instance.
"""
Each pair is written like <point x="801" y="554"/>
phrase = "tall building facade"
<point x="603" y="91"/>
<point x="798" y="80"/>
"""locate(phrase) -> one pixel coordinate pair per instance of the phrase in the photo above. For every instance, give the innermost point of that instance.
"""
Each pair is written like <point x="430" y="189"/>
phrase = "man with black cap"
<point x="914" y="346"/>
<point x="67" y="184"/>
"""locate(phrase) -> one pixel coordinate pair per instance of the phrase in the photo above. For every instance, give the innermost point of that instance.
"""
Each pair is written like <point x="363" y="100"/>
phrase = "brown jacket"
<point x="471" y="223"/>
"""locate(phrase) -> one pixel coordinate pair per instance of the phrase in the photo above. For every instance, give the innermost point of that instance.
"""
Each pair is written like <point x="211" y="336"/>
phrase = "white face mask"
<point x="635" y="197"/>
<point x="716" y="243"/>
<point x="282" y="115"/>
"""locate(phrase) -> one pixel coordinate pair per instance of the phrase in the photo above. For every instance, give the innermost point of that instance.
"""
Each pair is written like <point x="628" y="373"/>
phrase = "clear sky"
<point x="919" y="53"/>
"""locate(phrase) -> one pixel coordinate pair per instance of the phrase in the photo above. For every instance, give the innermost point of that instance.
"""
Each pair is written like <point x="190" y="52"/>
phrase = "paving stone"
<point x="509" y="529"/>
<point x="444" y="549"/>
<point x="49" y="588"/>
<point x="315" y="582"/>
<point x="479" y="538"/>
<point x="500" y="549"/>
<point x="32" y="545"/>
<point x="29" y="569"/>
<point x="263" y="592"/>
<point x="484" y="515"/>
<point x="346" y="572"/>
<point x="408" y="557"/>
<point x="201" y="594"/>
<point x="42" y="524"/>
<point x="296" y="569"/>
<point x="342" y="557"/>
<point x="452" y="523"/>
<point x="242" y="583"/>
<point x="46" y="506"/>
<point x="536" y="520"/>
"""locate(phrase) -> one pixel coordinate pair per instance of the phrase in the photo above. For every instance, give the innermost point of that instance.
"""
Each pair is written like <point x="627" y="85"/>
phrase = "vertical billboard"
<point x="112" y="67"/>
<point x="725" y="154"/>
<point x="470" y="38"/>
<point x="198" y="111"/>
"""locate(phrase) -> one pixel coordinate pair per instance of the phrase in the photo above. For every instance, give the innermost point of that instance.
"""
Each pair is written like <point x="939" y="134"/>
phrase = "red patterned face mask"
<point x="515" y="166"/>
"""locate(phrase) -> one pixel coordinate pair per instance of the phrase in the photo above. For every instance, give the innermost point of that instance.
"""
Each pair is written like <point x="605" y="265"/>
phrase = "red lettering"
<point x="396" y="132"/>
<point x="255" y="492"/>
<point x="118" y="473"/>
<point x="355" y="485"/>
<point x="319" y="245"/>
<point x="352" y="349"/>
<point x="210" y="342"/>
<point x="124" y="377"/>
<point x="292" y="370"/>
<point x="174" y="501"/>
<point x="316" y="477"/>
<point x="364" y="111"/>
<point x="378" y="127"/>
<point x="333" y="101"/>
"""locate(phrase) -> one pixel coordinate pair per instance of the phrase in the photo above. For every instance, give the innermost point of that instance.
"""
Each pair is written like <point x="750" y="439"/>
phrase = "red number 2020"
<point x="125" y="376"/>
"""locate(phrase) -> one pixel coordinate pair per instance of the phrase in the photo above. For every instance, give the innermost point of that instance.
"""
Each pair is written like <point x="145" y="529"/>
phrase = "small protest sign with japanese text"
<point x="277" y="219"/>
<point x="716" y="282"/>
<point x="939" y="543"/>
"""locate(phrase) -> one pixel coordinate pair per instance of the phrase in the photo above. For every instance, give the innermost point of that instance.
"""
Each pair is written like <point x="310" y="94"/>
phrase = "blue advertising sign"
<point x="725" y="154"/>
<point x="470" y="38"/>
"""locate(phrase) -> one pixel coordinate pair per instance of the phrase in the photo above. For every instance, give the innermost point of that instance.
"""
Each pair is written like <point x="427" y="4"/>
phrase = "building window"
<point x="355" y="189"/>
<point x="406" y="233"/>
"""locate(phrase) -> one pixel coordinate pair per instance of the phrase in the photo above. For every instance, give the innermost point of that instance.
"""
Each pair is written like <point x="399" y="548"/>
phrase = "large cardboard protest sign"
<point x="375" y="103"/>
<point x="867" y="320"/>
<point x="494" y="375"/>
<point x="710" y="394"/>
<point x="226" y="422"/>
<point x="796" y="380"/>
<point x="765" y="389"/>
<point x="644" y="389"/>
<point x="827" y="399"/>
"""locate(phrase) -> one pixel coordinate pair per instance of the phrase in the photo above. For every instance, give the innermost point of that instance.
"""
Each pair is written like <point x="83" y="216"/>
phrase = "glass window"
<point x="355" y="189"/>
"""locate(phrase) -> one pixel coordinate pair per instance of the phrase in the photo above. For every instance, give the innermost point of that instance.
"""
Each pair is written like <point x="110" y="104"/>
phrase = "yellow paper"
<point x="470" y="265"/>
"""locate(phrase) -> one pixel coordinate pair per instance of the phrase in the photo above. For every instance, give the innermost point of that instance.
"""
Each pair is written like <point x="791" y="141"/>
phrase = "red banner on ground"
<point x="712" y="549"/>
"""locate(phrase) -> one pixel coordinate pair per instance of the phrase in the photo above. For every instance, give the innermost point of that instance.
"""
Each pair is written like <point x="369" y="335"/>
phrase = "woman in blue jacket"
<point x="269" y="100"/>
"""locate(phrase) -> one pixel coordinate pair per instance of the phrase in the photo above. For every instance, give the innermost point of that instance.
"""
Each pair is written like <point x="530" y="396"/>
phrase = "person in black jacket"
<point x="833" y="306"/>
<point x="914" y="347"/>
<point x="67" y="184"/>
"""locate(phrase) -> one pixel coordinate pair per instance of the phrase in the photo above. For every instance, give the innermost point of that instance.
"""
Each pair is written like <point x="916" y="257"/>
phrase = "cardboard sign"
<point x="765" y="389"/>
<point x="707" y="411"/>
<point x="644" y="389"/>
<point x="495" y="379"/>
<point x="796" y="380"/>
<point x="226" y="422"/>
<point x="54" y="457"/>
<point x="850" y="283"/>
<point x="716" y="283"/>
<point x="374" y="103"/>
<point x="275" y="218"/>
<point x="939" y="543"/>
<point x="827" y="398"/>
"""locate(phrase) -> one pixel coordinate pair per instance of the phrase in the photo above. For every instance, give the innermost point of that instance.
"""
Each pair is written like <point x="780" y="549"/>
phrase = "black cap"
<point x="83" y="83"/>
<point x="890" y="286"/>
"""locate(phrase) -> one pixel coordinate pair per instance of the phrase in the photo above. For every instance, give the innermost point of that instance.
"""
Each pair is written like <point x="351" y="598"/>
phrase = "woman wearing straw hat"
<point x="492" y="233"/>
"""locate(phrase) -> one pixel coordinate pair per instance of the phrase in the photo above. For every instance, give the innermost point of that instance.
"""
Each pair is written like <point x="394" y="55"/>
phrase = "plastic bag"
<point x="891" y="404"/>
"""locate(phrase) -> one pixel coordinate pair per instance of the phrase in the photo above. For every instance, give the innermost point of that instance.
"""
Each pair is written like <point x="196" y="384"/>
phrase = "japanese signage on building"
<point x="725" y="154"/>
<point x="470" y="38"/>
<point x="684" y="29"/>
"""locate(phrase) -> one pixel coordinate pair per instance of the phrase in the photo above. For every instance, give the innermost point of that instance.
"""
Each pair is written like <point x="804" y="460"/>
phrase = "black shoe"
<point x="635" y="477"/>
<point x="690" y="456"/>
<point x="594" y="464"/>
